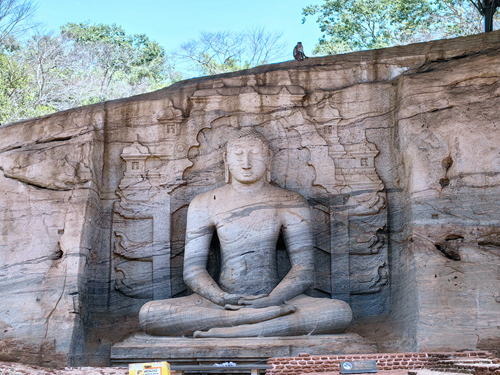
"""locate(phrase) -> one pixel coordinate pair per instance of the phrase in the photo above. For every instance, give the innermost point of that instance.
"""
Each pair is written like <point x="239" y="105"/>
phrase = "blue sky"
<point x="172" y="22"/>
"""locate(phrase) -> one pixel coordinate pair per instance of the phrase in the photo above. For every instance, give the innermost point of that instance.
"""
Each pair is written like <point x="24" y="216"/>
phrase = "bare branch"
<point x="219" y="52"/>
<point x="478" y="5"/>
<point x="14" y="17"/>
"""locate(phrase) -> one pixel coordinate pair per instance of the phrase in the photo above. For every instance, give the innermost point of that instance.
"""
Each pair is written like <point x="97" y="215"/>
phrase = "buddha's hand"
<point x="259" y="302"/>
<point x="237" y="305"/>
<point x="230" y="299"/>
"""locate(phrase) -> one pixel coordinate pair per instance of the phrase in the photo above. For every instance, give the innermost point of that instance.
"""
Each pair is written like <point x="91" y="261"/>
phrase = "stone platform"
<point x="188" y="351"/>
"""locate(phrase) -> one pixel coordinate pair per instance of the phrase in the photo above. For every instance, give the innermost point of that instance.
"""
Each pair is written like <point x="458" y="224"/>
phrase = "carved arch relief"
<point x="351" y="244"/>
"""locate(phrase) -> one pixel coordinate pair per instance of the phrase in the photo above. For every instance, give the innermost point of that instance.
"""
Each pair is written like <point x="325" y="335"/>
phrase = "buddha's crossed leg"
<point x="312" y="316"/>
<point x="185" y="315"/>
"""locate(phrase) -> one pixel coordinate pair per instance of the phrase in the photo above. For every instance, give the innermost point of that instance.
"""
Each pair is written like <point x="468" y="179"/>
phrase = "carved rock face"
<point x="395" y="150"/>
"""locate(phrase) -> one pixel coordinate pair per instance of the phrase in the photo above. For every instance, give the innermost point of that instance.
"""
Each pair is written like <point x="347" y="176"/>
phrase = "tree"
<point x="14" y="15"/>
<point x="35" y="79"/>
<point x="221" y="52"/>
<point x="456" y="18"/>
<point x="116" y="56"/>
<point x="349" y="25"/>
<point x="358" y="24"/>
<point x="84" y="64"/>
<point x="487" y="8"/>
<point x="13" y="80"/>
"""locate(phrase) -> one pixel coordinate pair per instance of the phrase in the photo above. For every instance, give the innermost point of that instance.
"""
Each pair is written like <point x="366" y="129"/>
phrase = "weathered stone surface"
<point x="177" y="350"/>
<point x="50" y="172"/>
<point x="396" y="151"/>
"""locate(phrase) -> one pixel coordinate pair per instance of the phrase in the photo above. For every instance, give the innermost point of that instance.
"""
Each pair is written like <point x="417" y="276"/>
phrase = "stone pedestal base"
<point x="190" y="351"/>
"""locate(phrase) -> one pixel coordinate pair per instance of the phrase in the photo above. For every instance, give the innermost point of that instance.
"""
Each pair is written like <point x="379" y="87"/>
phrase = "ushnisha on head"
<point x="247" y="157"/>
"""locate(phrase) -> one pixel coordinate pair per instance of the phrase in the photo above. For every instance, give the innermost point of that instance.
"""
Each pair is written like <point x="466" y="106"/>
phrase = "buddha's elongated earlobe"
<point x="268" y="169"/>
<point x="227" y="174"/>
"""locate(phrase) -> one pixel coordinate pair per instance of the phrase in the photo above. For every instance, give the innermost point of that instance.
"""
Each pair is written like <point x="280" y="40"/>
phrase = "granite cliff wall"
<point x="396" y="150"/>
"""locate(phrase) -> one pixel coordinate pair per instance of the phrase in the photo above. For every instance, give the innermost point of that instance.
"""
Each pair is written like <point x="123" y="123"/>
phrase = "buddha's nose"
<point x="246" y="162"/>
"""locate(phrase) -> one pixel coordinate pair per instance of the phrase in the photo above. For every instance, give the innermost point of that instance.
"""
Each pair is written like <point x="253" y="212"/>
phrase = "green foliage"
<point x="361" y="24"/>
<point x="84" y="64"/>
<point x="351" y="25"/>
<point x="133" y="57"/>
<point x="89" y="63"/>
<point x="17" y="97"/>
<point x="458" y="18"/>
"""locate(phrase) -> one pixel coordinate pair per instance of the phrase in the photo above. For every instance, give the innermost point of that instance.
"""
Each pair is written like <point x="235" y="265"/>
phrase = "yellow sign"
<point x="153" y="368"/>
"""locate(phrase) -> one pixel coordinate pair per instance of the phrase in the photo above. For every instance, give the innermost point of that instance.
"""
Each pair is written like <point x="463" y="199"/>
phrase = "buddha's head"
<point x="247" y="158"/>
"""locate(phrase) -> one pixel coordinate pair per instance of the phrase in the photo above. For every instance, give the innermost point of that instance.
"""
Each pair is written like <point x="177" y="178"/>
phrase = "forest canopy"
<point x="86" y="63"/>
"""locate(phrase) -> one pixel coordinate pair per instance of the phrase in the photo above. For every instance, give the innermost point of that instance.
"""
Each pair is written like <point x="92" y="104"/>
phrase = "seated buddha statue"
<point x="248" y="214"/>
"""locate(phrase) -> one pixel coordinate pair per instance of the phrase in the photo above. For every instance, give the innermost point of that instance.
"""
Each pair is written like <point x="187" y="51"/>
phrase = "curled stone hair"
<point x="247" y="132"/>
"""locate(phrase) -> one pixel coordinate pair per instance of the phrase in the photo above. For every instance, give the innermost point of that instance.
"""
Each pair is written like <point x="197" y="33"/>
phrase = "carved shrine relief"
<point x="358" y="222"/>
<point x="135" y="157"/>
<point x="140" y="232"/>
<point x="141" y="215"/>
<point x="351" y="243"/>
<point x="170" y="119"/>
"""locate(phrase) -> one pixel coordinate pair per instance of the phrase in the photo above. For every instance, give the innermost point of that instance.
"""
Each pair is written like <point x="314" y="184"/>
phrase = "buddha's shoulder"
<point x="283" y="195"/>
<point x="208" y="197"/>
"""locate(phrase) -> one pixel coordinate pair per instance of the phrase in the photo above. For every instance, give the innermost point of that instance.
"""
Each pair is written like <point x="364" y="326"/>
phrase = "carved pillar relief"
<point x="141" y="230"/>
<point x="359" y="260"/>
<point x="367" y="213"/>
<point x="142" y="218"/>
<point x="172" y="148"/>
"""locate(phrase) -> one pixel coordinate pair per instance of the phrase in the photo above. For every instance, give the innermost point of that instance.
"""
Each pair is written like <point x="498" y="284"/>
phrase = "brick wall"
<point x="305" y="363"/>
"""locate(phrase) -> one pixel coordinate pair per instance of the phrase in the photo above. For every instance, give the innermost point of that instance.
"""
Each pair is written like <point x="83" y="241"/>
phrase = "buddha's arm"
<point x="299" y="243"/>
<point x="199" y="231"/>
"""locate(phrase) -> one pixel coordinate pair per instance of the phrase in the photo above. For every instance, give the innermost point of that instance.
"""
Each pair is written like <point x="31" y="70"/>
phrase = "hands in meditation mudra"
<point x="250" y="300"/>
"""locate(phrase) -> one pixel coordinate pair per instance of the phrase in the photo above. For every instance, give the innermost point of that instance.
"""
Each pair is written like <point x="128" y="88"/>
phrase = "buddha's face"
<point x="247" y="159"/>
